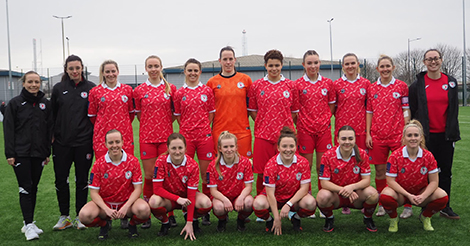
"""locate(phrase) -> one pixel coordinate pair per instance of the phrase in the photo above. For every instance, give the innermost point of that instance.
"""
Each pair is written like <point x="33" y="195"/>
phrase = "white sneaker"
<point x="322" y="215"/>
<point x="407" y="212"/>
<point x="312" y="216"/>
<point x="36" y="229"/>
<point x="30" y="232"/>
<point x="63" y="223"/>
<point x="259" y="220"/>
<point x="380" y="211"/>
<point x="77" y="224"/>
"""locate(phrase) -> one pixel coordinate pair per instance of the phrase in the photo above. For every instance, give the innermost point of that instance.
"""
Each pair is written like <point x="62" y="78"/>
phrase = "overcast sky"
<point x="129" y="31"/>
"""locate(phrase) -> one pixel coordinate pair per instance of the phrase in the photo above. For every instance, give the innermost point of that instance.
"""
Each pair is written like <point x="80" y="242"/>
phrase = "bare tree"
<point x="406" y="69"/>
<point x="451" y="60"/>
<point x="369" y="72"/>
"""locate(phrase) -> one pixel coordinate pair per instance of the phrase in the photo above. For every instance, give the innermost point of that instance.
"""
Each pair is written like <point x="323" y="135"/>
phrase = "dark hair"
<point x="112" y="131"/>
<point x="192" y="60"/>
<point x="273" y="54"/>
<point x="356" y="149"/>
<point x="440" y="54"/>
<point x="287" y="132"/>
<point x="309" y="53"/>
<point x="226" y="48"/>
<point x="71" y="58"/>
<point x="173" y="136"/>
<point x="23" y="78"/>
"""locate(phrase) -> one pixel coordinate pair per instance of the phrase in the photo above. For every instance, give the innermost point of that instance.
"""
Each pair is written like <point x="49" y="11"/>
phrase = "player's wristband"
<point x="289" y="204"/>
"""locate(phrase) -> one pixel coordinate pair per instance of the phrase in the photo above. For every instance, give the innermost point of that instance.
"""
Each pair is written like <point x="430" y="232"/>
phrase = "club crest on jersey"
<point x="184" y="98"/>
<point x="336" y="170"/>
<point x="362" y="91"/>
<point x="204" y="97"/>
<point x="209" y="155"/>
<point x="298" y="176"/>
<point x="84" y="94"/>
<point x="376" y="96"/>
<point x="304" y="92"/>
<point x="102" y="99"/>
<point x="248" y="153"/>
<point x="342" y="91"/>
<point x="286" y="94"/>
<point x="221" y="178"/>
<point x="396" y="95"/>
<point x="304" y="148"/>
<point x="356" y="169"/>
<point x="240" y="85"/>
<point x="402" y="170"/>
<point x="184" y="179"/>
<point x="278" y="177"/>
<point x="445" y="87"/>
<point x="105" y="175"/>
<point x="166" y="96"/>
<point x="219" y="86"/>
<point x="146" y="96"/>
<point x="42" y="106"/>
<point x="239" y="176"/>
<point x="124" y="98"/>
<point x="423" y="170"/>
<point x="324" y="91"/>
<point x="88" y="156"/>
<point x="452" y="84"/>
<point x="262" y="93"/>
<point x="329" y="146"/>
<point x="128" y="174"/>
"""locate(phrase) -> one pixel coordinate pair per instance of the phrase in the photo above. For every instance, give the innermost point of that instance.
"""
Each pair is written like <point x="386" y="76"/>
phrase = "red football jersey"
<point x="411" y="175"/>
<point x="177" y="179"/>
<point x="340" y="172"/>
<point x="438" y="102"/>
<point x="274" y="103"/>
<point x="351" y="104"/>
<point x="314" y="99"/>
<point x="233" y="178"/>
<point x="386" y="103"/>
<point x="286" y="179"/>
<point x="115" y="182"/>
<point x="155" y="107"/>
<point x="111" y="107"/>
<point x="194" y="106"/>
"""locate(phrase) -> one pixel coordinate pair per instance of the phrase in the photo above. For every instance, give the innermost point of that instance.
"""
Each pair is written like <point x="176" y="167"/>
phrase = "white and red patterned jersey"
<point x="177" y="179"/>
<point x="314" y="99"/>
<point x="155" y="107"/>
<point x="115" y="181"/>
<point x="386" y="104"/>
<point x="112" y="108"/>
<point x="233" y="177"/>
<point x="194" y="106"/>
<point x="351" y="104"/>
<point x="411" y="175"/>
<point x="274" y="103"/>
<point x="343" y="172"/>
<point x="286" y="179"/>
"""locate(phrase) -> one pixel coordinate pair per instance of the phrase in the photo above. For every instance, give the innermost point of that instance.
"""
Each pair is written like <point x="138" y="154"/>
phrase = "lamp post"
<point x="10" y="81"/>
<point x="331" y="46"/>
<point x="464" y="67"/>
<point x="68" y="46"/>
<point x="409" y="57"/>
<point x="63" y="41"/>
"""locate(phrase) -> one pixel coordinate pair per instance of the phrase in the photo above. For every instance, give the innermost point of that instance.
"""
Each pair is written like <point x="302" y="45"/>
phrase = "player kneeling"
<point x="230" y="179"/>
<point x="287" y="185"/>
<point x="115" y="188"/>
<point x="175" y="182"/>
<point x="412" y="178"/>
<point x="345" y="180"/>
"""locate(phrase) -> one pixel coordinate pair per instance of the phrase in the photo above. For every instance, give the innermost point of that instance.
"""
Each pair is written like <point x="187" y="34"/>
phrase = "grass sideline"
<point x="349" y="229"/>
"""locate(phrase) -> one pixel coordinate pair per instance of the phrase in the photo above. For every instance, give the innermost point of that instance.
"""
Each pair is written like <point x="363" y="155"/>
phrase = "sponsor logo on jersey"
<point x="155" y="170"/>
<point x="184" y="98"/>
<point x="324" y="91"/>
<point x="304" y="148"/>
<point x="356" y="169"/>
<point x="88" y="156"/>
<point x="396" y="95"/>
<point x="184" y="179"/>
<point x="219" y="86"/>
<point x="370" y="158"/>
<point x="124" y="98"/>
<point x="169" y="174"/>
<point x="65" y="92"/>
<point x="452" y="84"/>
<point x="209" y="155"/>
<point x="102" y="99"/>
<point x="342" y="91"/>
<point x="240" y="85"/>
<point x="329" y="146"/>
<point x="42" y="106"/>
<point x="278" y="177"/>
<point x="262" y="93"/>
<point x="248" y="153"/>
<point x="404" y="100"/>
<point x="84" y="94"/>
<point x="204" y="97"/>
<point x="239" y="176"/>
<point x="423" y="170"/>
<point x="128" y="174"/>
<point x="23" y="103"/>
<point x="144" y="153"/>
<point x="146" y="96"/>
<point x="304" y="91"/>
<point x="105" y="175"/>
<point x="362" y="91"/>
<point x="445" y="87"/>
<point x="266" y="179"/>
<point x="403" y="170"/>
<point x="91" y="178"/>
<point x="286" y="94"/>
<point x="336" y="170"/>
<point x="376" y="96"/>
<point x="298" y="176"/>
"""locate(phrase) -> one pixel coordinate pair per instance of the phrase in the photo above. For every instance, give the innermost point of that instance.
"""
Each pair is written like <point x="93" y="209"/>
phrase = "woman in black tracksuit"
<point x="72" y="142"/>
<point x="28" y="131"/>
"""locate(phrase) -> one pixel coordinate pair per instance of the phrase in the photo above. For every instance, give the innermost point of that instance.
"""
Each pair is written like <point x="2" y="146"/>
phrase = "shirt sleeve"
<point x="331" y="92"/>
<point x="252" y="100"/>
<point x="177" y="102"/>
<point x="248" y="173"/>
<point x="270" y="174"/>
<point x="137" y="99"/>
<point x="295" y="98"/>
<point x="306" y="173"/>
<point x="210" y="101"/>
<point x="137" y="177"/>
<point x="95" y="177"/>
<point x="212" y="174"/>
<point x="404" y="99"/>
<point x="324" y="168"/>
<point x="365" y="167"/>
<point x="392" y="165"/>
<point x="92" y="103"/>
<point x="369" y="101"/>
<point x="193" y="174"/>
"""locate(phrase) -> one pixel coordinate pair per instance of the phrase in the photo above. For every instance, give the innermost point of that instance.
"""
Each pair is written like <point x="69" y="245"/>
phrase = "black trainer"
<point x="124" y="223"/>
<point x="133" y="231"/>
<point x="103" y="232"/>
<point x="240" y="225"/>
<point x="206" y="219"/>
<point x="172" y="220"/>
<point x="370" y="224"/>
<point x="221" y="225"/>
<point x="196" y="228"/>
<point x="448" y="213"/>
<point x="296" y="224"/>
<point x="329" y="225"/>
<point x="109" y="223"/>
<point x="269" y="224"/>
<point x="164" y="229"/>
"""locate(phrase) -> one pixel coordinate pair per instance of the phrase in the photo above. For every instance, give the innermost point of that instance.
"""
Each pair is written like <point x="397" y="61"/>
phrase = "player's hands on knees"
<point x="111" y="213"/>
<point x="183" y="201"/>
<point x="419" y="199"/>
<point x="346" y="191"/>
<point x="277" y="227"/>
<point x="353" y="197"/>
<point x="188" y="228"/>
<point x="239" y="204"/>
<point x="228" y="207"/>
<point x="285" y="211"/>
<point x="122" y="212"/>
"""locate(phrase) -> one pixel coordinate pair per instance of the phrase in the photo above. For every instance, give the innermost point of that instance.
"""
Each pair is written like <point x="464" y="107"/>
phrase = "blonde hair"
<point x="224" y="135"/>
<point x="417" y="124"/>
<point x="385" y="57"/>
<point x="167" y="85"/>
<point x="357" y="60"/>
<point x="102" y="69"/>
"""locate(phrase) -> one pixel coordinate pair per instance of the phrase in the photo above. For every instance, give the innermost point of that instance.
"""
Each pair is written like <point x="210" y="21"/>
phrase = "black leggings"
<point x="28" y="172"/>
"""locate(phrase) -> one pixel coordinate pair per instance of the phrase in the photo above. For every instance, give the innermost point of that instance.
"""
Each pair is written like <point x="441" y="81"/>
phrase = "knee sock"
<point x="244" y="214"/>
<point x="435" y="206"/>
<point x="369" y="209"/>
<point x="328" y="211"/>
<point x="160" y="213"/>
<point x="221" y="217"/>
<point x="407" y="205"/>
<point x="390" y="205"/>
<point x="199" y="212"/>
<point x="171" y="213"/>
<point x="148" y="189"/>
<point x="135" y="220"/>
<point x="97" y="222"/>
<point x="305" y="212"/>
<point x="380" y="184"/>
<point x="259" y="184"/>
<point x="262" y="213"/>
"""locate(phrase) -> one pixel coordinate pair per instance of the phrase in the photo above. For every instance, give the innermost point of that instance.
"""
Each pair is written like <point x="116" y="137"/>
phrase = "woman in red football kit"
<point x="111" y="107"/>
<point x="434" y="102"/>
<point x="345" y="180"/>
<point x="287" y="186"/>
<point x="273" y="104"/>
<point x="154" y="110"/>
<point x="194" y="111"/>
<point x="230" y="178"/>
<point x="387" y="114"/>
<point x="175" y="180"/>
<point x="412" y="178"/>
<point x="115" y="188"/>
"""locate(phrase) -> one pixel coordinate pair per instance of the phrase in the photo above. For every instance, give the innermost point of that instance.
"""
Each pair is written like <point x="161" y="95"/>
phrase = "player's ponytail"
<point x="167" y="85"/>
<point x="287" y="132"/>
